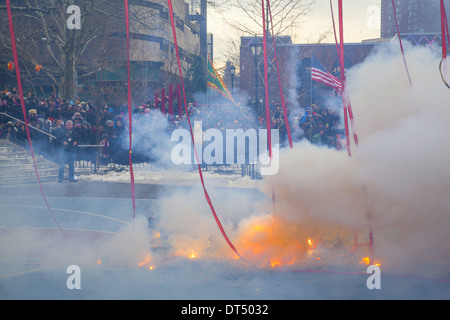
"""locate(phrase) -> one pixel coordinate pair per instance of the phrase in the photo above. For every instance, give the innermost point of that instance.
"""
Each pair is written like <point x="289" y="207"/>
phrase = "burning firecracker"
<point x="38" y="68"/>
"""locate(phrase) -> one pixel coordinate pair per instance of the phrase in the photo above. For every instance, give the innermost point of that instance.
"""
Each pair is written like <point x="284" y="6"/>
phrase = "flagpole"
<point x="311" y="84"/>
<point x="207" y="91"/>
<point x="310" y="105"/>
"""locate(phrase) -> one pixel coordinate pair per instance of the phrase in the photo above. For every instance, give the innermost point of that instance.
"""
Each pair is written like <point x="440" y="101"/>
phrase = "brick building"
<point x="414" y="17"/>
<point x="294" y="62"/>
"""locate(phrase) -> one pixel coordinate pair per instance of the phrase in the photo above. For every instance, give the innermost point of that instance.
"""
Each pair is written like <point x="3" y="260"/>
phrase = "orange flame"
<point x="146" y="262"/>
<point x="271" y="243"/>
<point x="191" y="254"/>
<point x="366" y="260"/>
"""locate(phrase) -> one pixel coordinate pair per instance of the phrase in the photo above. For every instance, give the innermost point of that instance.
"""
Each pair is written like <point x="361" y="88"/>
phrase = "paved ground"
<point x="40" y="273"/>
<point x="100" y="189"/>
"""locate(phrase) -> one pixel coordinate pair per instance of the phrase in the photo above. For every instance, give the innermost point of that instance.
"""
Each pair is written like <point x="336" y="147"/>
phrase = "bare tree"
<point x="286" y="14"/>
<point x="68" y="55"/>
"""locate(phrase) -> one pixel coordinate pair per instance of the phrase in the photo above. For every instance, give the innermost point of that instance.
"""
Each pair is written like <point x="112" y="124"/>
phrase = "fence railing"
<point x="89" y="155"/>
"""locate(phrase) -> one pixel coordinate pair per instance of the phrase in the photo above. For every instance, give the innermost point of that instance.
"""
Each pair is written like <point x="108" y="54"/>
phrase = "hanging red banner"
<point x="24" y="111"/>
<point x="130" y="122"/>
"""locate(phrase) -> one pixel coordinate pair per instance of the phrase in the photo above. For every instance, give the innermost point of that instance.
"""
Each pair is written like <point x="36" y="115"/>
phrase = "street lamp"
<point x="256" y="48"/>
<point x="269" y="71"/>
<point x="232" y="73"/>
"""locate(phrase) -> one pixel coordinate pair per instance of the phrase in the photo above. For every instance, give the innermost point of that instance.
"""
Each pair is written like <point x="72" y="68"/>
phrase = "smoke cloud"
<point x="399" y="173"/>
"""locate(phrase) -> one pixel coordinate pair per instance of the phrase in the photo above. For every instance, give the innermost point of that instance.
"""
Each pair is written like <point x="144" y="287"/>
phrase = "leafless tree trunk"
<point x="67" y="55"/>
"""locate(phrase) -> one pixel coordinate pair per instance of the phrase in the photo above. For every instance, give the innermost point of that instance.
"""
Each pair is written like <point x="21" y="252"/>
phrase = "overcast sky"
<point x="361" y="21"/>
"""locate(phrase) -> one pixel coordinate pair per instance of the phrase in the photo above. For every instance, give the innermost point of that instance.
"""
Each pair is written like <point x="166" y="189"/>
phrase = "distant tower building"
<point x="414" y="16"/>
<point x="195" y="7"/>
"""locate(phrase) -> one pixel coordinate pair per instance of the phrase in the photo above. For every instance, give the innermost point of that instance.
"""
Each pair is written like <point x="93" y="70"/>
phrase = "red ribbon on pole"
<point x="348" y="108"/>
<point x="444" y="30"/>
<point x="208" y="199"/>
<point x="283" y="104"/>
<point x="400" y="42"/>
<point x="340" y="52"/>
<point x="443" y="22"/>
<point x="445" y="36"/>
<point x="22" y="102"/>
<point x="266" y="83"/>
<point x="127" y="22"/>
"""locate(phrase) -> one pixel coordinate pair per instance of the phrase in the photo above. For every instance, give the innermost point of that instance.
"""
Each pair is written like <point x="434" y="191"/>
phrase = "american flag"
<point x="319" y="73"/>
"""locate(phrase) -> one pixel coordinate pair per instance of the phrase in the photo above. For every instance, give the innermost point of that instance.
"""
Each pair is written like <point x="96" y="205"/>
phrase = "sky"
<point x="361" y="21"/>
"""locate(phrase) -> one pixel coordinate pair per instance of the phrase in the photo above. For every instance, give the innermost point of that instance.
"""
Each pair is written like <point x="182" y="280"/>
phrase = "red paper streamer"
<point x="283" y="104"/>
<point x="348" y="108"/>
<point x="22" y="102"/>
<point x="127" y="22"/>
<point x="340" y="50"/>
<point x="444" y="29"/>
<point x="342" y="67"/>
<point x="401" y="44"/>
<point x="266" y="83"/>
<point x="208" y="199"/>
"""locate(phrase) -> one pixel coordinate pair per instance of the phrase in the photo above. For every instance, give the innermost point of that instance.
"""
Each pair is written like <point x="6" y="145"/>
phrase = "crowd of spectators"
<point x="105" y="125"/>
<point x="49" y="115"/>
<point x="321" y="126"/>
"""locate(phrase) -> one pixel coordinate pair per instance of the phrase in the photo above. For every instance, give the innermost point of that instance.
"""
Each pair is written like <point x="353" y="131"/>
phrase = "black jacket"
<point x="70" y="137"/>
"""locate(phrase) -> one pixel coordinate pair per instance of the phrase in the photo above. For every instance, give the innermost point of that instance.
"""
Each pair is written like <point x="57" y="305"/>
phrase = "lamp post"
<point x="256" y="48"/>
<point x="269" y="69"/>
<point x="232" y="73"/>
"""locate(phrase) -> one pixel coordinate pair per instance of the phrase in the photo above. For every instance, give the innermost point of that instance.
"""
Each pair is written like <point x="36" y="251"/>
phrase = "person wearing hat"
<point x="69" y="143"/>
<point x="306" y="115"/>
<point x="32" y="117"/>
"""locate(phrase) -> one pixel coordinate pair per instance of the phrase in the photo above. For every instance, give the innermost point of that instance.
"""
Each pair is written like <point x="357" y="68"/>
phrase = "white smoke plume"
<point x="400" y="172"/>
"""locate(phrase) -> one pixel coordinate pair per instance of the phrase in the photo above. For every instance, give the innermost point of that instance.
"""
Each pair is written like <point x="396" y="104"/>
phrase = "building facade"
<point x="294" y="62"/>
<point x="152" y="46"/>
<point x="94" y="57"/>
<point x="414" y="17"/>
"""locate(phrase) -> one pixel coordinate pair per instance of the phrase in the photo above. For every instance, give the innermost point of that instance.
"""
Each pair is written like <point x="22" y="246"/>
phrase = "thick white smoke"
<point x="400" y="172"/>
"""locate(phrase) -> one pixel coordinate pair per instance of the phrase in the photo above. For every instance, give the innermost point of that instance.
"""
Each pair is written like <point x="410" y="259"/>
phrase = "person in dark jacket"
<point x="68" y="138"/>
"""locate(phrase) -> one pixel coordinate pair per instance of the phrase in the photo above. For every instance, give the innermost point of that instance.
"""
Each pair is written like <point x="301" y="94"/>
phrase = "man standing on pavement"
<point x="68" y="139"/>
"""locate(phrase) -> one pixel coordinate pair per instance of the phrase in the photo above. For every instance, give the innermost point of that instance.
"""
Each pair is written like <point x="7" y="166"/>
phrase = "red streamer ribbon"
<point x="208" y="199"/>
<point x="266" y="83"/>
<point x="348" y="108"/>
<point x="283" y="104"/>
<point x="344" y="81"/>
<point x="401" y="44"/>
<point x="133" y="196"/>
<point x="22" y="102"/>
<point x="444" y="29"/>
<point x="340" y="52"/>
<point x="443" y="23"/>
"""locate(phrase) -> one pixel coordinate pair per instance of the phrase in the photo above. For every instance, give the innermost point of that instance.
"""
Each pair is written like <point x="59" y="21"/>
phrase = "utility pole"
<point x="204" y="29"/>
<point x="204" y="39"/>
